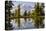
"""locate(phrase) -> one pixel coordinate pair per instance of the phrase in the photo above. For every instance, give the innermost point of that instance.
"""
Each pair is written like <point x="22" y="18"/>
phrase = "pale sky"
<point x="24" y="5"/>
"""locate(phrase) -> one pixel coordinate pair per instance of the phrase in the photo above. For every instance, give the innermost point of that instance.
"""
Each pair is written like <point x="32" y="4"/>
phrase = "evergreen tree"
<point x="25" y="14"/>
<point x="29" y="14"/>
<point x="18" y="15"/>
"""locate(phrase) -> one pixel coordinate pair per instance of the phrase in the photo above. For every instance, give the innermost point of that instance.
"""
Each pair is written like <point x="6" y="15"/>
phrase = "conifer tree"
<point x="25" y="14"/>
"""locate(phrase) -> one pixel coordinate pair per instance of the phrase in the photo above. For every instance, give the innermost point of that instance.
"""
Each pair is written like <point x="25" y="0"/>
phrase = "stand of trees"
<point x="38" y="16"/>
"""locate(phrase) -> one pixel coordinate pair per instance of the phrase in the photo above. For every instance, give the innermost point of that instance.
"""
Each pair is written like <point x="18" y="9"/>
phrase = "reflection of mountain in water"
<point x="23" y="25"/>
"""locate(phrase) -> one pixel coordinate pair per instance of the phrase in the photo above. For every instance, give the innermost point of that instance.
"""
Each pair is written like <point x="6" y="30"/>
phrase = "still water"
<point x="23" y="25"/>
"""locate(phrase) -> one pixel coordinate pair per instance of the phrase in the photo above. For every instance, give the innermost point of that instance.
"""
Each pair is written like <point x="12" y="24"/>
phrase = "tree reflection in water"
<point x="23" y="24"/>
